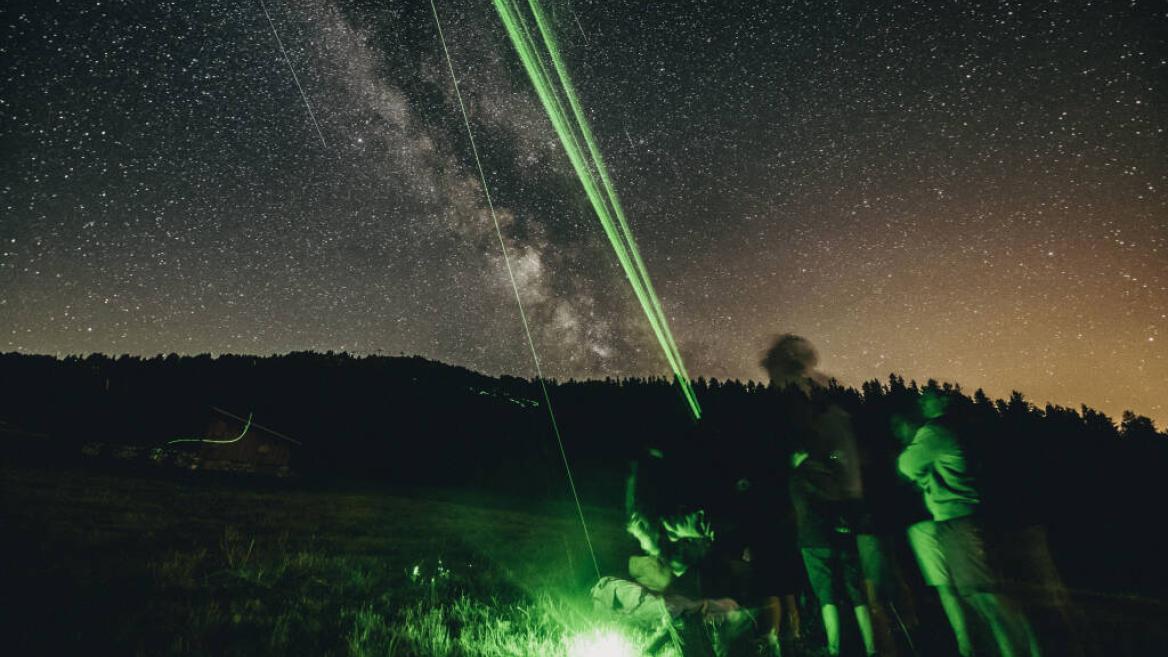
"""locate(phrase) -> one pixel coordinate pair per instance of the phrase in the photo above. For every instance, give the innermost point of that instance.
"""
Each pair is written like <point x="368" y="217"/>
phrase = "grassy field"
<point x="174" y="563"/>
<point x="117" y="564"/>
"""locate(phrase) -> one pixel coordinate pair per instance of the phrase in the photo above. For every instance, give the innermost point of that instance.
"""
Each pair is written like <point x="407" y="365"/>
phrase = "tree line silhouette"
<point x="1092" y="481"/>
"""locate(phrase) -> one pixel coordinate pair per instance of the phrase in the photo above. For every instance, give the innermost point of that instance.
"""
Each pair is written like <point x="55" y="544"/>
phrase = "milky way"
<point x="975" y="194"/>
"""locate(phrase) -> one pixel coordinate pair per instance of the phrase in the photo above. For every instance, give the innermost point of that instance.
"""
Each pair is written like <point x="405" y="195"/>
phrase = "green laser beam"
<point x="614" y="200"/>
<point x="602" y="170"/>
<point x="555" y="111"/>
<point x="577" y="137"/>
<point x="618" y="237"/>
<point x="515" y="288"/>
<point x="246" y="427"/>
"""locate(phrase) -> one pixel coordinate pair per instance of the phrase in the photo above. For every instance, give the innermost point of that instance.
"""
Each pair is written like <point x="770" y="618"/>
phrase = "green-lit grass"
<point x="99" y="564"/>
<point x="473" y="628"/>
<point x="131" y="565"/>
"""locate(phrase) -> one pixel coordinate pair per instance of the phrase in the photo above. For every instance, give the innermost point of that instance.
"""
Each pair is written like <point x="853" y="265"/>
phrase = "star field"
<point x="969" y="192"/>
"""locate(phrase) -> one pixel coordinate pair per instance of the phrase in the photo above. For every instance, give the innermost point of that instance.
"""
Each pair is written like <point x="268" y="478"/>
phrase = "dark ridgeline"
<point x="1093" y="483"/>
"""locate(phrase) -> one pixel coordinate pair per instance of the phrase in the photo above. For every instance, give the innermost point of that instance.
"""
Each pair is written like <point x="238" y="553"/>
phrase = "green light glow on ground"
<point x="573" y="130"/>
<point x="601" y="643"/>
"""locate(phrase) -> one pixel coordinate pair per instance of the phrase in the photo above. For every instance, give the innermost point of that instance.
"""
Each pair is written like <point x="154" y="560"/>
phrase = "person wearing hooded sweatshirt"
<point x="937" y="462"/>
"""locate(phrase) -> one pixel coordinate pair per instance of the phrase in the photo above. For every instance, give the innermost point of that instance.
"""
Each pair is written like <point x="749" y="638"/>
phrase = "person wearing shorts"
<point x="922" y="537"/>
<point x="936" y="461"/>
<point x="828" y="546"/>
<point x="834" y="572"/>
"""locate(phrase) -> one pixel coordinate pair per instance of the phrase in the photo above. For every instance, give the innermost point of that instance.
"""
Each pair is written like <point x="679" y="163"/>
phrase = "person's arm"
<point x="640" y="529"/>
<point x="918" y="457"/>
<point x="631" y="489"/>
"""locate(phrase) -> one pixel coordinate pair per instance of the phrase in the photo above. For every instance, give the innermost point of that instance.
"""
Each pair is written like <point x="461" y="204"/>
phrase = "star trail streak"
<point x="295" y="78"/>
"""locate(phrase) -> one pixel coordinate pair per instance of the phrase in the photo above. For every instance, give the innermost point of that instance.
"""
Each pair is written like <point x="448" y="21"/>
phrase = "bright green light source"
<point x="602" y="643"/>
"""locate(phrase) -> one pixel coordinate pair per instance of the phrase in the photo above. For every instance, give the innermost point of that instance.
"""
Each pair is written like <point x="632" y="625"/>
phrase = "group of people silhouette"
<point x="734" y="532"/>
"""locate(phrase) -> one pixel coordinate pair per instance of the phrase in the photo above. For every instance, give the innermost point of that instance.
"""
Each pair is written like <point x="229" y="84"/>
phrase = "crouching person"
<point x="665" y="593"/>
<point x="665" y="517"/>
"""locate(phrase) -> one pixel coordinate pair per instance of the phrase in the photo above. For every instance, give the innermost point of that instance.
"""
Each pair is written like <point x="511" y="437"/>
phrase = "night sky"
<point x="975" y="192"/>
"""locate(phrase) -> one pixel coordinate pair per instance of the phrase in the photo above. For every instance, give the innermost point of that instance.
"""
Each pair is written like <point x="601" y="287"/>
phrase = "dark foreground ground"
<point x="132" y="563"/>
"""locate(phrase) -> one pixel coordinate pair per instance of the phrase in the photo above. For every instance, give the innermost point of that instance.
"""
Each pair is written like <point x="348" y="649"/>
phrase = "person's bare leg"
<point x="881" y="622"/>
<point x="792" y="611"/>
<point x="1025" y="631"/>
<point x="955" y="612"/>
<point x="772" y="619"/>
<point x="831" y="627"/>
<point x="1011" y="629"/>
<point x="867" y="635"/>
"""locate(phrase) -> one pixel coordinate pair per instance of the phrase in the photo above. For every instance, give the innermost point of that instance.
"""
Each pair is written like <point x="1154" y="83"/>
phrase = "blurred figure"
<point x="775" y="560"/>
<point x="756" y="559"/>
<point x="766" y="566"/>
<point x="954" y="545"/>
<point x="823" y="509"/>
<point x="921" y="532"/>
<point x="791" y="361"/>
<point x="825" y="489"/>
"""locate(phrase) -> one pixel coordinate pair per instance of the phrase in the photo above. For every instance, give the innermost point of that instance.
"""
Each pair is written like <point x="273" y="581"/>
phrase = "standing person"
<point x="828" y="545"/>
<point x="756" y="510"/>
<point x="773" y="553"/>
<point x="889" y="503"/>
<point x="937" y="463"/>
<point x="764" y="549"/>
<point x="824" y="485"/>
<point x="921" y="532"/>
